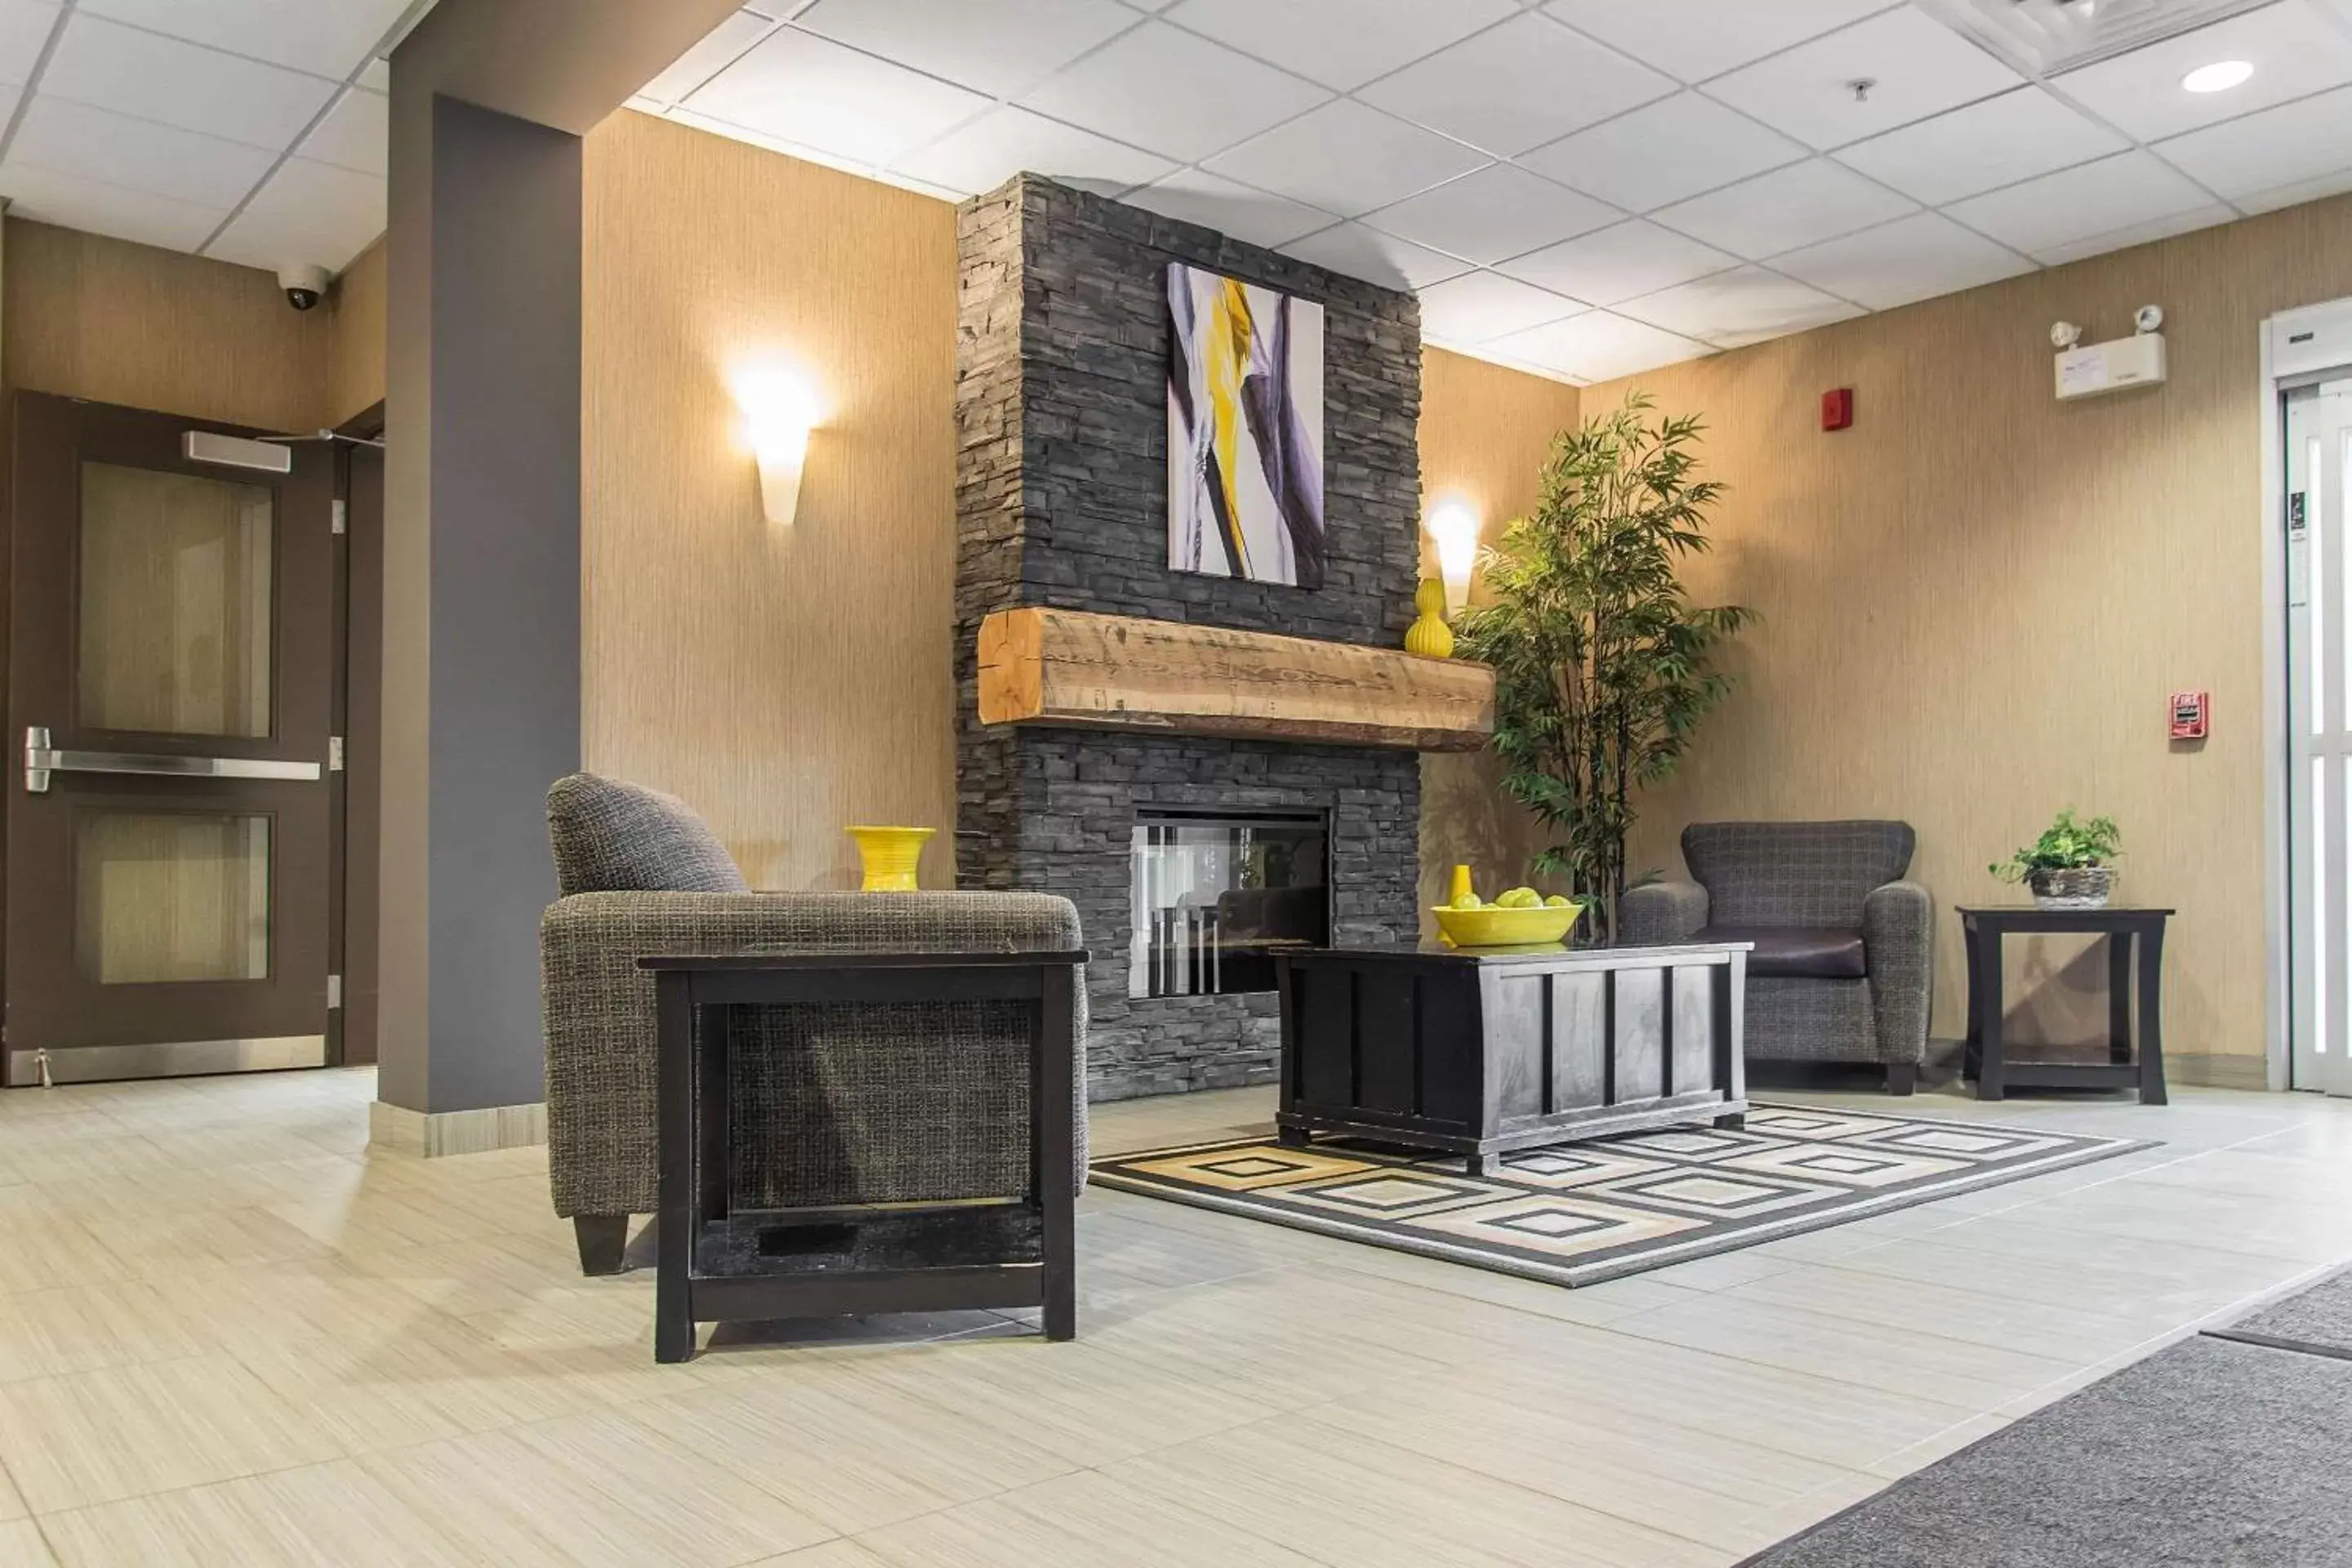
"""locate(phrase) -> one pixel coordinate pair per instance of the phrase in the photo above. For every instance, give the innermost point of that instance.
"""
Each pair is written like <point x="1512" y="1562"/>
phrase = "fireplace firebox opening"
<point x="1216" y="895"/>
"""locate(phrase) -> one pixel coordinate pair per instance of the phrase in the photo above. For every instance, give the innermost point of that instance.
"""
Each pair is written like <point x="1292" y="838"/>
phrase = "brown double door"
<point x="173" y="828"/>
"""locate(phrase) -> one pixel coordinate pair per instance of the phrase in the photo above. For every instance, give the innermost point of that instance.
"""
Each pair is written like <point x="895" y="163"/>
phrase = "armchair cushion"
<point x="1805" y="952"/>
<point x="613" y="838"/>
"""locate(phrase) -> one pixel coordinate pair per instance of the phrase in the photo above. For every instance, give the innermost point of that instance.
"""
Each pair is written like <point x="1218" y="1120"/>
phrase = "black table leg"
<point x="2119" y="957"/>
<point x="2151" y="1014"/>
<point x="674" y="1050"/>
<point x="1985" y="959"/>
<point x="1972" y="1045"/>
<point x="1051" y="1114"/>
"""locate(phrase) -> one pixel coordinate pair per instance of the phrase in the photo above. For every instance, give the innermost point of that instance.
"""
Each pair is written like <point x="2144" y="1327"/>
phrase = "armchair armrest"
<point x="597" y="1006"/>
<point x="1898" y="946"/>
<point x="1657" y="913"/>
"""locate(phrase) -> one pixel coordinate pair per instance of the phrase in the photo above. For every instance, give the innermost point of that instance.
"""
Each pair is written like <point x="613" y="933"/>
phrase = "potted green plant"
<point x="1602" y="665"/>
<point x="2068" y="867"/>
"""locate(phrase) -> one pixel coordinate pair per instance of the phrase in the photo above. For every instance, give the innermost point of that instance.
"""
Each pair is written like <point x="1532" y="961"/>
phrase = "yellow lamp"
<point x="1454" y="528"/>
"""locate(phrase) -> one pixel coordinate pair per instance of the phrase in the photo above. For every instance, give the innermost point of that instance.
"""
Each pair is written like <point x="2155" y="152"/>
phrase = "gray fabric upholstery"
<point x="907" y="1103"/>
<point x="1807" y="953"/>
<point x="1808" y="874"/>
<point x="611" y="837"/>
<point x="1794" y="873"/>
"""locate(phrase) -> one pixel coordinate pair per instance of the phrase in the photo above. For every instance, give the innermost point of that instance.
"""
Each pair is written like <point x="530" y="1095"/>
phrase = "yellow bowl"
<point x="1491" y="926"/>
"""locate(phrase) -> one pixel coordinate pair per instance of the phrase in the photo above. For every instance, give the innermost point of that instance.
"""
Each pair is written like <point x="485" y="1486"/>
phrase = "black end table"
<point x="718" y="1263"/>
<point x="1987" y="1060"/>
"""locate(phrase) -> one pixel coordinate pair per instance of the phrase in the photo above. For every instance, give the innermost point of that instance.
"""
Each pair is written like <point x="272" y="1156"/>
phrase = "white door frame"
<point x="2295" y="344"/>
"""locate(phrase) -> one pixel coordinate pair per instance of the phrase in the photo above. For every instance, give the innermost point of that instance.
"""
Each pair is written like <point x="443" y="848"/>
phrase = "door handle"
<point x="41" y="760"/>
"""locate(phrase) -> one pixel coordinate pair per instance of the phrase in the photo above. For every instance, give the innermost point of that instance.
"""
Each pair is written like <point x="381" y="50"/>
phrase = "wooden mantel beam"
<point x="1044" y="665"/>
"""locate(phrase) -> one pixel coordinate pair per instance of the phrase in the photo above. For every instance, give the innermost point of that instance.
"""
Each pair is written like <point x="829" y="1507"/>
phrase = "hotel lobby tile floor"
<point x="229" y="1333"/>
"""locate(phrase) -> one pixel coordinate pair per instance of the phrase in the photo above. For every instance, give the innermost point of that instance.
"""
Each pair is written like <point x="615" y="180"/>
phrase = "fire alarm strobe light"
<point x="1837" y="408"/>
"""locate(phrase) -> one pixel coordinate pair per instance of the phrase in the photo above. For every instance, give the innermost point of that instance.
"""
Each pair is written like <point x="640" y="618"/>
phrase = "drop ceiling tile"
<point x="1664" y="151"/>
<point x="2294" y="49"/>
<point x="1999" y="142"/>
<point x="1479" y="306"/>
<point x="1346" y="158"/>
<point x="1517" y="85"/>
<point x="1915" y="257"/>
<point x="1257" y="217"/>
<point x="96" y="208"/>
<point x="996" y="47"/>
<point x="25" y="27"/>
<point x="2091" y="199"/>
<point x="1498" y="212"/>
<point x="1619" y="263"/>
<point x="1695" y="39"/>
<point x="307" y="212"/>
<point x="2289" y="145"/>
<point x="2302" y="191"/>
<point x="1799" y="206"/>
<point x="1180" y="96"/>
<point x="1745" y="305"/>
<point x="1598" y="346"/>
<point x="355" y="134"/>
<point x="1342" y="44"/>
<point x="138" y="73"/>
<point x="2123" y="238"/>
<point x="1003" y="142"/>
<point x="325" y="37"/>
<point x="1376" y="257"/>
<point x="1919" y="66"/>
<point x="810" y="91"/>
<point x="67" y="138"/>
<point x="718" y="49"/>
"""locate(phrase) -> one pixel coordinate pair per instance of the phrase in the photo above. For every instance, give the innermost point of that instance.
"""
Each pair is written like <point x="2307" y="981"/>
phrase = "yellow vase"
<point x="1458" y="889"/>
<point x="1430" y="636"/>
<point x="890" y="855"/>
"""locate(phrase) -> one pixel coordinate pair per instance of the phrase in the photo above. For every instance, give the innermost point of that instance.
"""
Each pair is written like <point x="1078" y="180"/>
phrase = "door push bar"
<point x="41" y="760"/>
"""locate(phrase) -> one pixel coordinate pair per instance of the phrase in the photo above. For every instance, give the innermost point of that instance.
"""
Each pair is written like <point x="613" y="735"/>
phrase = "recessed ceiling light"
<point x="2218" y="77"/>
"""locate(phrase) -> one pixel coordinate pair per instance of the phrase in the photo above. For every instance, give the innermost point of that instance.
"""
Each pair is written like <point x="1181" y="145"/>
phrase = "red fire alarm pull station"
<point x="2189" y="711"/>
<point x="1837" y="408"/>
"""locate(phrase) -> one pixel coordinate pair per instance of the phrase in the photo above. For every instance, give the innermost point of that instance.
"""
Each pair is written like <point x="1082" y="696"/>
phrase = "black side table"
<point x="1987" y="1060"/>
<point x="717" y="1263"/>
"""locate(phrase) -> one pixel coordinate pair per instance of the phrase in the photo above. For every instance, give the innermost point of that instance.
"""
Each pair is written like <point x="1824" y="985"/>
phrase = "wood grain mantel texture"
<point x="1044" y="665"/>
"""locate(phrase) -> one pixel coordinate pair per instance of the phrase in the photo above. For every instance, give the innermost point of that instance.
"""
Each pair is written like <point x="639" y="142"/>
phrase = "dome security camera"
<point x="305" y="285"/>
<point x="2064" y="336"/>
<point x="2148" y="318"/>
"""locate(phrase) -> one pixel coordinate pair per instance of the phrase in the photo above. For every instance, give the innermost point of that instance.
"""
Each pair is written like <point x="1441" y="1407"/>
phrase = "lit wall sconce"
<point x="1454" y="528"/>
<point x="779" y="412"/>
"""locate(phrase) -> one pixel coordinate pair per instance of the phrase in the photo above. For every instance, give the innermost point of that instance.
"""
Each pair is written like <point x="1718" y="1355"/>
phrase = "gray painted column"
<point x="481" y="574"/>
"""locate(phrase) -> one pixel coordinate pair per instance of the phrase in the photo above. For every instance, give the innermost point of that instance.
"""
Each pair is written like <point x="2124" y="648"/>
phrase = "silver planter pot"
<point x="2073" y="887"/>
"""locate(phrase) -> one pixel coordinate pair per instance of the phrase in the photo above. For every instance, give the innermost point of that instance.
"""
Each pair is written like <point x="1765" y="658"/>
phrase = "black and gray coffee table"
<point x="1479" y="1051"/>
<point x="1988" y="1059"/>
<point x="719" y="1262"/>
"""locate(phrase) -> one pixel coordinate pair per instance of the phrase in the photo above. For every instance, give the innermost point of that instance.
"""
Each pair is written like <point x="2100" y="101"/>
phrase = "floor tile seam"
<point x="2095" y="1227"/>
<point x="1755" y="1359"/>
<point x="1990" y="1298"/>
<point x="1773" y="1308"/>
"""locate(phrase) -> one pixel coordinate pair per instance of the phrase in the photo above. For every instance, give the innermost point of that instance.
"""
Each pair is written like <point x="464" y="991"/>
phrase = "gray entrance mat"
<point x="2209" y="1452"/>
<point x="2318" y="1321"/>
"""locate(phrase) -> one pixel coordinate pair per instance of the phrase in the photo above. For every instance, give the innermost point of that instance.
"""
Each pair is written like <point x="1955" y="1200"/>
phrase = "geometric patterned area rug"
<point x="1576" y="1213"/>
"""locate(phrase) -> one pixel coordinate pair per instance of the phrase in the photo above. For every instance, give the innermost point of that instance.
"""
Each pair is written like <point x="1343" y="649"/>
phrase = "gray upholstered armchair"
<point x="1843" y="946"/>
<point x="911" y="1102"/>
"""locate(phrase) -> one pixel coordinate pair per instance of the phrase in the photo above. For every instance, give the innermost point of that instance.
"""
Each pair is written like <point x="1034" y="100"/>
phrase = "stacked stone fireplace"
<point x="1062" y="487"/>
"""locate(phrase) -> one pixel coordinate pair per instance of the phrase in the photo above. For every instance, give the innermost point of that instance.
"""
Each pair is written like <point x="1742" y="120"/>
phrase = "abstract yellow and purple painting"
<point x="1244" y="430"/>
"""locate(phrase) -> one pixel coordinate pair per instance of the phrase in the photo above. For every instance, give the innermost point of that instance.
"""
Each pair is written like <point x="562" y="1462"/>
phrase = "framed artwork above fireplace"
<point x="1244" y="430"/>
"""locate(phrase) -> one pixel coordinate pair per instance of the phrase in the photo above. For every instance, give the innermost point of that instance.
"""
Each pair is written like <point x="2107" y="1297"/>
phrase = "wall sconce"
<point x="779" y="412"/>
<point x="1454" y="528"/>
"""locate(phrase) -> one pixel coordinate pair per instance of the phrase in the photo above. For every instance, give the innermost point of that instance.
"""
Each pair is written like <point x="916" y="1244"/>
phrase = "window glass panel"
<point x="175" y="624"/>
<point x="171" y="896"/>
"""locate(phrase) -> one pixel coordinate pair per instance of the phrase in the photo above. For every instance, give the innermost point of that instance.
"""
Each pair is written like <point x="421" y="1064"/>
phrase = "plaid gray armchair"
<point x="912" y="1102"/>
<point x="1844" y="947"/>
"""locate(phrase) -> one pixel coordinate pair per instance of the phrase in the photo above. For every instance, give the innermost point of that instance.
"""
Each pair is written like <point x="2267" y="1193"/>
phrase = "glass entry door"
<point x="2319" y="723"/>
<point x="172" y="673"/>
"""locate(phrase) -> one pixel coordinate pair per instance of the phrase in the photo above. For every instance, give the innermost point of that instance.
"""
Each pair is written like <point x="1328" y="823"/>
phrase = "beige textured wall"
<point x="1485" y="433"/>
<point x="355" y="345"/>
<point x="118" y="322"/>
<point x="785" y="680"/>
<point x="1976" y="601"/>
